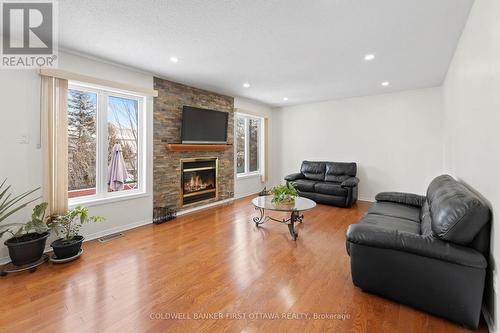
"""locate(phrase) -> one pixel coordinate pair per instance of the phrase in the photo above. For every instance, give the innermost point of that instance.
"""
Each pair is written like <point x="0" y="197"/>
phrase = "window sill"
<point x="248" y="175"/>
<point x="98" y="201"/>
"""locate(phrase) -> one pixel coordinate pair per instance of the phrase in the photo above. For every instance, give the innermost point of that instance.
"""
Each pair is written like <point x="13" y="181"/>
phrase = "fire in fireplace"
<point x="199" y="180"/>
<point x="195" y="181"/>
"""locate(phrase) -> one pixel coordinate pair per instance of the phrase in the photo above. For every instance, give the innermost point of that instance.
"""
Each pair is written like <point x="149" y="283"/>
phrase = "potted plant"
<point x="27" y="243"/>
<point x="68" y="225"/>
<point x="284" y="194"/>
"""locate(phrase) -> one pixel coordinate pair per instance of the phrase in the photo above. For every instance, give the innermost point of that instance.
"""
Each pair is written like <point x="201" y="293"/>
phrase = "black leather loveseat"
<point x="331" y="183"/>
<point x="428" y="252"/>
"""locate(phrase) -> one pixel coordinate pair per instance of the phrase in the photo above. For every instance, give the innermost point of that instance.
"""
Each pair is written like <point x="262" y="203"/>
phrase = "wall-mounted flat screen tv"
<point x="203" y="126"/>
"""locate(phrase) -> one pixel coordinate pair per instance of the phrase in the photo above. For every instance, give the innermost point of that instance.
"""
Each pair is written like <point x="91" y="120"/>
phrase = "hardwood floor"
<point x="210" y="262"/>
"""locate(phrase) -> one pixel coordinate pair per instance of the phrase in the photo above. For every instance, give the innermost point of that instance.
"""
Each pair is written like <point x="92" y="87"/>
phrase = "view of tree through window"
<point x="122" y="130"/>
<point x="253" y="144"/>
<point x="240" y="145"/>
<point x="82" y="128"/>
<point x="247" y="144"/>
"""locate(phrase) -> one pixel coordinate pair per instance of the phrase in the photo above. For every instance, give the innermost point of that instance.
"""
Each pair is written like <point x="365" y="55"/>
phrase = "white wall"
<point x="472" y="117"/>
<point x="396" y="139"/>
<point x="253" y="184"/>
<point x="22" y="163"/>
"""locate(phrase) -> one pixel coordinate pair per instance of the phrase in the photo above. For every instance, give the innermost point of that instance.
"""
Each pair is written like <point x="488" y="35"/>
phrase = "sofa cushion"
<point x="325" y="198"/>
<point x="457" y="214"/>
<point x="391" y="223"/>
<point x="330" y="188"/>
<point x="395" y="210"/>
<point x="313" y="170"/>
<point x="339" y="171"/>
<point x="305" y="185"/>
<point x="404" y="198"/>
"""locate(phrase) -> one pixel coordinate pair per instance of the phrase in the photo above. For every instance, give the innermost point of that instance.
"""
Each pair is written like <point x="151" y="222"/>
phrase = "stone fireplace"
<point x="198" y="180"/>
<point x="174" y="186"/>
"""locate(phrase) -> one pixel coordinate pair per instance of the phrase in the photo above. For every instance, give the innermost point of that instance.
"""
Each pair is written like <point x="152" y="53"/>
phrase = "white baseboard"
<point x="489" y="320"/>
<point x="242" y="195"/>
<point x="117" y="229"/>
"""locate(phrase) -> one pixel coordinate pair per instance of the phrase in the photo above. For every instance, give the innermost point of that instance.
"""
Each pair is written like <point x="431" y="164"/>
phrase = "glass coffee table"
<point x="264" y="203"/>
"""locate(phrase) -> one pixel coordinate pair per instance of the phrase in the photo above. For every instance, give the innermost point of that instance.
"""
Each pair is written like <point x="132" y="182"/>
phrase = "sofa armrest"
<point x="294" y="176"/>
<point x="426" y="246"/>
<point x="350" y="182"/>
<point x="402" y="198"/>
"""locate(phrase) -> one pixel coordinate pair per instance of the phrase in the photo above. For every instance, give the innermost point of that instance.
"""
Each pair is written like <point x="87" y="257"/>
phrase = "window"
<point x="105" y="144"/>
<point x="248" y="145"/>
<point x="82" y="144"/>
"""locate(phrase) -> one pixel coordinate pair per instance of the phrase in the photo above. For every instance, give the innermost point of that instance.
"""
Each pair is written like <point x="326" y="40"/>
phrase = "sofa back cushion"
<point x="313" y="170"/>
<point x="339" y="171"/>
<point x="457" y="214"/>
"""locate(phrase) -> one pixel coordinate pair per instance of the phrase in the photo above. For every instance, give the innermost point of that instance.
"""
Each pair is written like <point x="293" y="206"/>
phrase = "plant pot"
<point x="288" y="201"/>
<point x="66" y="248"/>
<point x="26" y="249"/>
<point x="285" y="201"/>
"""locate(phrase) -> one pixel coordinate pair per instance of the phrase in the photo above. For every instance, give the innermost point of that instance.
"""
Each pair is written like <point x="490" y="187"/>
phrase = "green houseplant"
<point x="284" y="194"/>
<point x="68" y="226"/>
<point x="28" y="239"/>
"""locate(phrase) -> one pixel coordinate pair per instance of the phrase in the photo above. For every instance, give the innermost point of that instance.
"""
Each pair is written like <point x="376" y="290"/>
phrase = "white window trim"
<point x="254" y="174"/>
<point x="258" y="172"/>
<point x="102" y="196"/>
<point x="94" y="200"/>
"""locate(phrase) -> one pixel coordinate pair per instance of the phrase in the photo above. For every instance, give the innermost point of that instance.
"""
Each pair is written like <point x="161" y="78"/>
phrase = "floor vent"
<point x="110" y="237"/>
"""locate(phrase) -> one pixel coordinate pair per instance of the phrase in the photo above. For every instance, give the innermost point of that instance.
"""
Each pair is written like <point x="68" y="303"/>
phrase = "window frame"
<point x="102" y="195"/>
<point x="247" y="173"/>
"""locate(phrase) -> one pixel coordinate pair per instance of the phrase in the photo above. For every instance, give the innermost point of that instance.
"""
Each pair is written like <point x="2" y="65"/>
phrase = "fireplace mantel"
<point x="194" y="147"/>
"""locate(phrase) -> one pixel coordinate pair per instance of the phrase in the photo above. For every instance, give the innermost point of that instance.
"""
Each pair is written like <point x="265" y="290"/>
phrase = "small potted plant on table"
<point x="284" y="194"/>
<point x="69" y="225"/>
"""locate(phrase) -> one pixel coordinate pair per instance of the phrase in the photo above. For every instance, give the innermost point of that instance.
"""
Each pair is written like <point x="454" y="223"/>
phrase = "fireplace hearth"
<point x="198" y="180"/>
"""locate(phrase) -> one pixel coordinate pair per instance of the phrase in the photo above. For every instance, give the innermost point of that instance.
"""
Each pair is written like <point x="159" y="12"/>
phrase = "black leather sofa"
<point x="429" y="252"/>
<point x="331" y="183"/>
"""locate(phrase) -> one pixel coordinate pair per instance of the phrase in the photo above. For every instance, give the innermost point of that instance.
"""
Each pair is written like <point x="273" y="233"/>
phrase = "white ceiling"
<point x="306" y="50"/>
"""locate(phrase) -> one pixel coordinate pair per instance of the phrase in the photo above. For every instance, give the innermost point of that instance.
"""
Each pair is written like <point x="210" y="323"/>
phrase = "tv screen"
<point x="203" y="126"/>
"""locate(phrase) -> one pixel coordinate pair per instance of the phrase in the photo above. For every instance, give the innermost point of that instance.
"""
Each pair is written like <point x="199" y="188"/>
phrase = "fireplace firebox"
<point x="198" y="180"/>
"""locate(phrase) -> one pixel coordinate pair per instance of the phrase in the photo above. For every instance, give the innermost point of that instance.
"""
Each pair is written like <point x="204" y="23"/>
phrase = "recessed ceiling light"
<point x="174" y="59"/>
<point x="246" y="85"/>
<point x="385" y="83"/>
<point x="285" y="99"/>
<point x="369" y="57"/>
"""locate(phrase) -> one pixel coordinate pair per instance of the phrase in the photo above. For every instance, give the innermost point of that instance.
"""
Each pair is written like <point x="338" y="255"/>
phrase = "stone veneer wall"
<point x="167" y="129"/>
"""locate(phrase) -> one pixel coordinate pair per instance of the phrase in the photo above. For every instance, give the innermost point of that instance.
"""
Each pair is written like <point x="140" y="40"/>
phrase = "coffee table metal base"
<point x="295" y="217"/>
